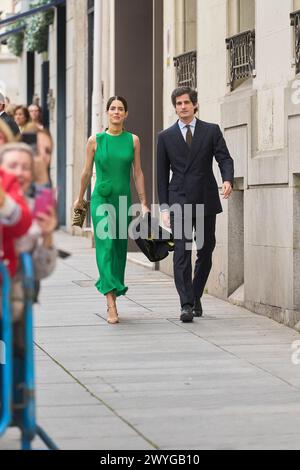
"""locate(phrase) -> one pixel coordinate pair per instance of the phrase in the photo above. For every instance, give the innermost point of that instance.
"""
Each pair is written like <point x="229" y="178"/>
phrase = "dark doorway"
<point x="61" y="113"/>
<point x="44" y="92"/>
<point x="136" y="65"/>
<point x="30" y="77"/>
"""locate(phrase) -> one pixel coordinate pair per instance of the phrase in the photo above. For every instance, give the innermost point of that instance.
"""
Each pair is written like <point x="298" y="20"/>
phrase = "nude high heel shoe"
<point x="112" y="314"/>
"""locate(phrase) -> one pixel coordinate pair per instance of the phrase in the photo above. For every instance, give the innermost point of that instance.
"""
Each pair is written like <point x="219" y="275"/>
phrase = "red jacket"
<point x="11" y="232"/>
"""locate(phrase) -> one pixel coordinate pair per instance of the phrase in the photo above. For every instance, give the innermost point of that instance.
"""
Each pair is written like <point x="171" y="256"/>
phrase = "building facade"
<point x="9" y="83"/>
<point x="243" y="57"/>
<point x="247" y="76"/>
<point x="251" y="90"/>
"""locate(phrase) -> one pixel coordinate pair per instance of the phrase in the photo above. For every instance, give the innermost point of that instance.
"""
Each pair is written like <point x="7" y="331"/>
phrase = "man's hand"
<point x="226" y="189"/>
<point x="166" y="219"/>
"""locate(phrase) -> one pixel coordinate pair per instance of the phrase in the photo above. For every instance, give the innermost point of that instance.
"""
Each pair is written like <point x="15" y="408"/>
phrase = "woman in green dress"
<point x="114" y="153"/>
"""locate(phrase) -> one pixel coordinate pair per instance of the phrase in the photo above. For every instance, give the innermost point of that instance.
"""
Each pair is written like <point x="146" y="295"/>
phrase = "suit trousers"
<point x="188" y="287"/>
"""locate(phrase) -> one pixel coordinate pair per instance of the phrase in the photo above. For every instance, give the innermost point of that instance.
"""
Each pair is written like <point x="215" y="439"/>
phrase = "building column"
<point x="97" y="79"/>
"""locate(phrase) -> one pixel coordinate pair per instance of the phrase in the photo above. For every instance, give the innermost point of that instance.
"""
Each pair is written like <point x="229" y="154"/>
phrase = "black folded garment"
<point x="63" y="254"/>
<point x="153" y="240"/>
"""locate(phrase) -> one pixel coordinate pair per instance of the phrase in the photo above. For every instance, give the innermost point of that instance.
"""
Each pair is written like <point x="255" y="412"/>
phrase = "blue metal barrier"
<point x="6" y="338"/>
<point x="18" y="378"/>
<point x="29" y="423"/>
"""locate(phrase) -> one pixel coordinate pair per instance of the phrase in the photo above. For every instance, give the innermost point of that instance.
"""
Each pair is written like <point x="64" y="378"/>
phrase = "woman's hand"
<point x="145" y="209"/>
<point x="47" y="221"/>
<point x="78" y="204"/>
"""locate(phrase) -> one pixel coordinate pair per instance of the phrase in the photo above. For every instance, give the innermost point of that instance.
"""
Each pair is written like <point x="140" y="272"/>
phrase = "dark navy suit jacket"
<point x="11" y="123"/>
<point x="193" y="181"/>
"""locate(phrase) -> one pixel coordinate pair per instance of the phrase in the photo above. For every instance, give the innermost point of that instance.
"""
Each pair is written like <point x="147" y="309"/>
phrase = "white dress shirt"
<point x="183" y="128"/>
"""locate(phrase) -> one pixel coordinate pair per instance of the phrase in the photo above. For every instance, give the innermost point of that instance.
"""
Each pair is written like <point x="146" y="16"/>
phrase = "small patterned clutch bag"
<point x="79" y="215"/>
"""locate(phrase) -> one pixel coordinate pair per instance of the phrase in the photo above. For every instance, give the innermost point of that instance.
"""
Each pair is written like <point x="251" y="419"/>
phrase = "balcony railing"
<point x="241" y="49"/>
<point x="295" y="22"/>
<point x="186" y="69"/>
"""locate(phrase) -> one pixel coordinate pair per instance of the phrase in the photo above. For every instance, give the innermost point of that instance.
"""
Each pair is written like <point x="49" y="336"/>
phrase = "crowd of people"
<point x="27" y="203"/>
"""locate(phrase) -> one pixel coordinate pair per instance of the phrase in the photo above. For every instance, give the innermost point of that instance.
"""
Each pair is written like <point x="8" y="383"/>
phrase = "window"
<point x="295" y="22"/>
<point x="185" y="61"/>
<point x="241" y="16"/>
<point x="241" y="41"/>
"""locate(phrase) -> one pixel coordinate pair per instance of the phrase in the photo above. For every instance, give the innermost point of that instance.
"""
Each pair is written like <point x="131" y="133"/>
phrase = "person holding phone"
<point x="17" y="159"/>
<point x="15" y="218"/>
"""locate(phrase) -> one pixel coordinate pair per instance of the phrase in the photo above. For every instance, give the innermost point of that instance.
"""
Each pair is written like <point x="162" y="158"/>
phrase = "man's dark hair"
<point x="185" y="90"/>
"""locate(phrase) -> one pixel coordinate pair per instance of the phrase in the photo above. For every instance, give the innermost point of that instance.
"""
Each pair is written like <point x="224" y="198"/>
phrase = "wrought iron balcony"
<point x="186" y="69"/>
<point x="295" y="22"/>
<point x="241" y="49"/>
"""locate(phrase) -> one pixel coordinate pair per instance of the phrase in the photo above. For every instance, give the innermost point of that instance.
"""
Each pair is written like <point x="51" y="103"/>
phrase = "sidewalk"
<point x="226" y="381"/>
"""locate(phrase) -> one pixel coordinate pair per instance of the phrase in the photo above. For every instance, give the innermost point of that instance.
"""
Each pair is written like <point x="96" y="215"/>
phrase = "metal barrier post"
<point x="6" y="368"/>
<point x="29" y="415"/>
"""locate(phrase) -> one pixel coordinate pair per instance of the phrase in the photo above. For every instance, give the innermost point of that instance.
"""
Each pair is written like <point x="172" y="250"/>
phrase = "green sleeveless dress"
<point x="110" y="202"/>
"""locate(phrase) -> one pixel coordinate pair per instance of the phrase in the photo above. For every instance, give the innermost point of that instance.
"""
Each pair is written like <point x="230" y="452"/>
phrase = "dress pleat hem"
<point x="117" y="291"/>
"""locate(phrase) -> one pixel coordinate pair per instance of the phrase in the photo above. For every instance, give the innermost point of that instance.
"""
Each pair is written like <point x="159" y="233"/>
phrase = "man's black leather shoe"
<point x="197" y="310"/>
<point x="187" y="314"/>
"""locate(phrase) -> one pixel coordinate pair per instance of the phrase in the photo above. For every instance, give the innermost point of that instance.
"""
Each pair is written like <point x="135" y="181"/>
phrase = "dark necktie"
<point x="189" y="136"/>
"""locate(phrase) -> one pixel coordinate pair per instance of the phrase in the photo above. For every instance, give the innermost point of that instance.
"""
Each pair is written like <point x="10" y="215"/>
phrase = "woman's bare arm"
<point x="138" y="174"/>
<point x="87" y="170"/>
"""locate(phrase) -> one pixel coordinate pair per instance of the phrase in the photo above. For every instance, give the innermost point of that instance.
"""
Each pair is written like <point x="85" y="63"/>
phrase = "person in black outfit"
<point x="187" y="149"/>
<point x="9" y="121"/>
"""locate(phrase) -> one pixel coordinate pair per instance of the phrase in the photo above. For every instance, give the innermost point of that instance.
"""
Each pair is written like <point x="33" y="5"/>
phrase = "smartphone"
<point x="43" y="200"/>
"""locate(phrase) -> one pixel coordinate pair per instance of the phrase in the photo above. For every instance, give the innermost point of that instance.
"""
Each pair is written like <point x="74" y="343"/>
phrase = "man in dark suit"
<point x="187" y="149"/>
<point x="9" y="121"/>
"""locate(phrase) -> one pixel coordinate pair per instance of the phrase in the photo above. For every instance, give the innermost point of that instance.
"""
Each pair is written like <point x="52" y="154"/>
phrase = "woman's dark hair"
<point x="185" y="90"/>
<point x="119" y="98"/>
<point x="25" y="112"/>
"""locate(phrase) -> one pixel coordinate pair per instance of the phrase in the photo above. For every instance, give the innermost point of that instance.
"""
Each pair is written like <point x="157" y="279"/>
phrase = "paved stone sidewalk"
<point x="226" y="381"/>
